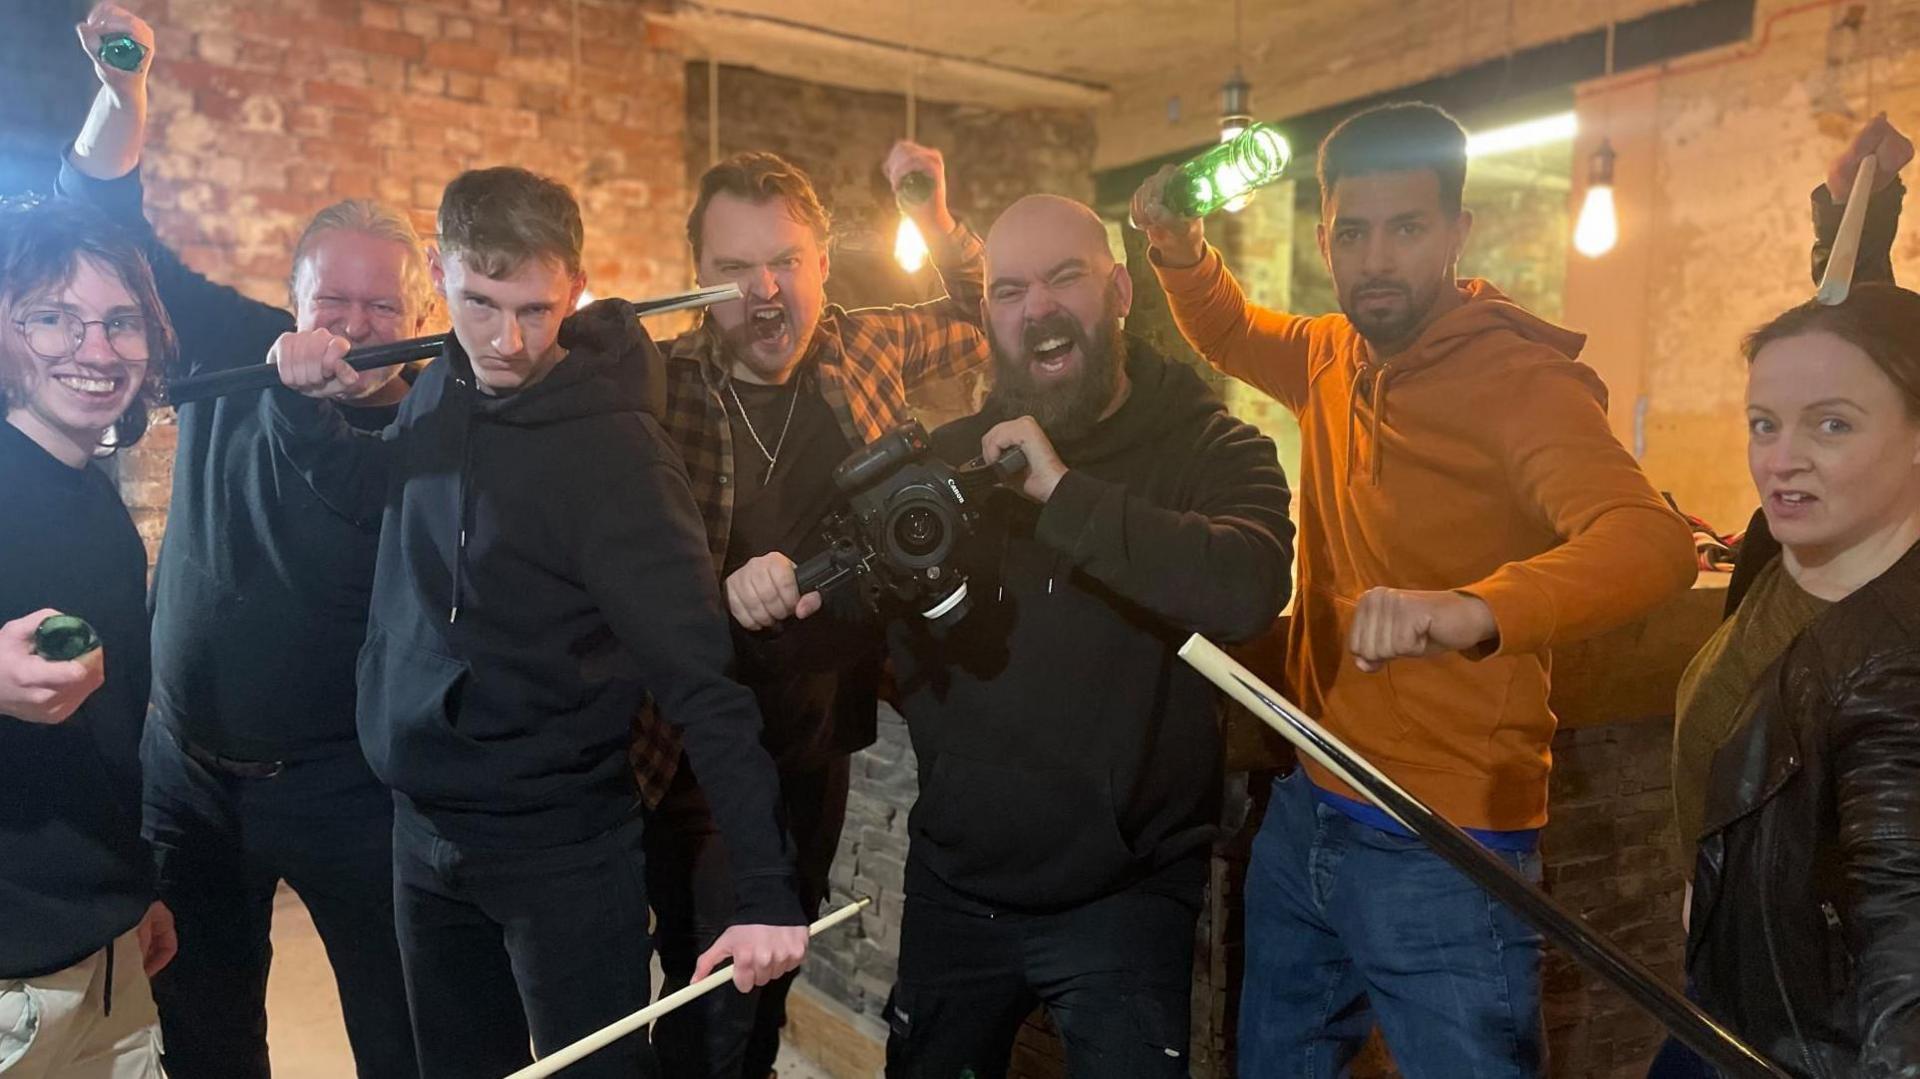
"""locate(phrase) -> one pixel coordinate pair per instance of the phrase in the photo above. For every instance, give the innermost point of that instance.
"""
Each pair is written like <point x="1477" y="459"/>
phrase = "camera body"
<point x="907" y="513"/>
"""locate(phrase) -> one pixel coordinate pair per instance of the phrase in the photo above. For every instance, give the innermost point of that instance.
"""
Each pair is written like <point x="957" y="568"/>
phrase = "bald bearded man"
<point x="1070" y="763"/>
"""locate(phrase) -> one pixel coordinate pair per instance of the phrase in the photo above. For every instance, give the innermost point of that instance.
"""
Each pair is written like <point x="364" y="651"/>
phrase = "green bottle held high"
<point x="915" y="188"/>
<point x="121" y="51"/>
<point x="1253" y="159"/>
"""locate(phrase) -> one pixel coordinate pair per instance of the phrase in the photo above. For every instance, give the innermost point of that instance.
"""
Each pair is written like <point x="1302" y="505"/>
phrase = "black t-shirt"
<point x="780" y="508"/>
<point x="817" y="681"/>
<point x="74" y="873"/>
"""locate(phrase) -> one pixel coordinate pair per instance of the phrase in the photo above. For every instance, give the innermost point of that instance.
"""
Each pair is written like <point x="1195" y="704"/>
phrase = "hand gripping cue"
<point x="613" y="1032"/>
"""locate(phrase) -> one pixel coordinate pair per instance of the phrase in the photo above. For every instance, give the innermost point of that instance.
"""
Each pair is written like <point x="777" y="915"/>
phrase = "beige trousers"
<point x="57" y="1026"/>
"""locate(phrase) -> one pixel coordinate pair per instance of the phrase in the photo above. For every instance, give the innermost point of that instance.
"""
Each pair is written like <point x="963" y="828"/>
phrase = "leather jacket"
<point x="1805" y="933"/>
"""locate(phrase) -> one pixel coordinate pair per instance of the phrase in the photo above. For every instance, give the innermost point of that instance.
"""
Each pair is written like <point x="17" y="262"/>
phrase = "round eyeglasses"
<point x="58" y="335"/>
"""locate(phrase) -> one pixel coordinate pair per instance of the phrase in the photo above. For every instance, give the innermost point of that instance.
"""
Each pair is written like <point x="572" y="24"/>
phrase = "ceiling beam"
<point x="803" y="51"/>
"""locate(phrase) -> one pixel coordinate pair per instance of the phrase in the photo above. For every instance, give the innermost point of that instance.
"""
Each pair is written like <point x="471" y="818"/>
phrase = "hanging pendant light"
<point x="1236" y="115"/>
<point x="909" y="247"/>
<point x="1598" y="227"/>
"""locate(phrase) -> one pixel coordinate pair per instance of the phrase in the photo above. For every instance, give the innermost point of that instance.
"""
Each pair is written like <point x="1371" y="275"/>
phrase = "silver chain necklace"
<point x="772" y="456"/>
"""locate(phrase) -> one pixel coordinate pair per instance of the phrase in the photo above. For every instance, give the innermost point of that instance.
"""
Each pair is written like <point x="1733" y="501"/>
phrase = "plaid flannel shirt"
<point x="866" y="361"/>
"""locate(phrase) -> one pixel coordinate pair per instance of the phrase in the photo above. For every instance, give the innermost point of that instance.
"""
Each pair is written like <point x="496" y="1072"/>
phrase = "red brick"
<point x="460" y="56"/>
<point x="334" y="95"/>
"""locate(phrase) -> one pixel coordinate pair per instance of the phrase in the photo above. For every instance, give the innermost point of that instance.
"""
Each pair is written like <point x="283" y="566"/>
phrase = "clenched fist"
<point x="764" y="592"/>
<point x="40" y="690"/>
<point x="314" y="363"/>
<point x="1396" y="623"/>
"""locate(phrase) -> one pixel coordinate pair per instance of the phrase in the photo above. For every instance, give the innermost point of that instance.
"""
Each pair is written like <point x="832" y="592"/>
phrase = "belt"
<point x="239" y="769"/>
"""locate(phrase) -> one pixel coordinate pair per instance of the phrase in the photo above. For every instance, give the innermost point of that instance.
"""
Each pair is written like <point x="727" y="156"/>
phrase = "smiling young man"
<point x="541" y="569"/>
<point x="1464" y="508"/>
<point x="765" y="399"/>
<point x="82" y="337"/>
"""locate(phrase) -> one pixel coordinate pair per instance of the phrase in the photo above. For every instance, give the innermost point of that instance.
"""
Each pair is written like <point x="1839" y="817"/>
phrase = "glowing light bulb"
<point x="909" y="247"/>
<point x="586" y="297"/>
<point x="1598" y="229"/>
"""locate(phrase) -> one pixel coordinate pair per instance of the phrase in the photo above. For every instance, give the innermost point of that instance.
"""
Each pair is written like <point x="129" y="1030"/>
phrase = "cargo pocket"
<point x="19" y="1022"/>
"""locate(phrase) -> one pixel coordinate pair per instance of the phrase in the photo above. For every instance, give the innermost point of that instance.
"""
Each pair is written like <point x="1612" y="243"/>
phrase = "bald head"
<point x="1047" y="226"/>
<point x="1055" y="298"/>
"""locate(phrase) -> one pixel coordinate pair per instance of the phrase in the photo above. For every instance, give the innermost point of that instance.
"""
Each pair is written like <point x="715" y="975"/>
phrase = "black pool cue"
<point x="1693" y="1026"/>
<point x="262" y="376"/>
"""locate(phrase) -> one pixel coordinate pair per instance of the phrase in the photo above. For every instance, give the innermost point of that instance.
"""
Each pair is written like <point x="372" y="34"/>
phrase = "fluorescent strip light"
<point x="1559" y="127"/>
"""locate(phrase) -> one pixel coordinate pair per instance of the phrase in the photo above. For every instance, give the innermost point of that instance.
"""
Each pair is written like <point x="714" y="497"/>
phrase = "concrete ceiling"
<point x="1129" y="60"/>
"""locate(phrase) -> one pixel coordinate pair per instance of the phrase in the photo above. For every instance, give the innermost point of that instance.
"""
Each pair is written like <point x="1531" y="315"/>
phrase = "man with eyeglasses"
<point x="254" y="775"/>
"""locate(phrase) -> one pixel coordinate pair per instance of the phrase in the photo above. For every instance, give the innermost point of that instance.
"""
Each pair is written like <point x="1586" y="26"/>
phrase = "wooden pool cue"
<point x="613" y="1032"/>
<point x="1838" y="280"/>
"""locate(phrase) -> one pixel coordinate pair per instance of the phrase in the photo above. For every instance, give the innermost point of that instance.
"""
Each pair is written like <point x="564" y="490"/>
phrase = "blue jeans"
<point x="1347" y="924"/>
<point x="222" y="845"/>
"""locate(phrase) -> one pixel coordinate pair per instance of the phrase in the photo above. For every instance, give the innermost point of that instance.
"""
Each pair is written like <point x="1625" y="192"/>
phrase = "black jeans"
<point x="728" y="1034"/>
<point x="1115" y="974"/>
<point x="222" y="845"/>
<point x="503" y="945"/>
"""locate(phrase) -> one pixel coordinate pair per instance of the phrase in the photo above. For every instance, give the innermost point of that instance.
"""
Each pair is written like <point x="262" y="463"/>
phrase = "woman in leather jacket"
<point x="1804" y="934"/>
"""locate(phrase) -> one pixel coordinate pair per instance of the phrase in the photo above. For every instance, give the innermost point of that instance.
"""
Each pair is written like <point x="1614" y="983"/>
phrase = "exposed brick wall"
<point x="1736" y="139"/>
<point x="266" y="110"/>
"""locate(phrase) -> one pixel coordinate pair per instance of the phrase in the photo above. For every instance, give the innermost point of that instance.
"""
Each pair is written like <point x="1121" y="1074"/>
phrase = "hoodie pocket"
<point x="1025" y="836"/>
<point x="409" y="703"/>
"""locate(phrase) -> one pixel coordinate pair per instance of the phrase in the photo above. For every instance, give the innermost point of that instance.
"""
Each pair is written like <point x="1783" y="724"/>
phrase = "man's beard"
<point x="1069" y="408"/>
<point x="1393" y="330"/>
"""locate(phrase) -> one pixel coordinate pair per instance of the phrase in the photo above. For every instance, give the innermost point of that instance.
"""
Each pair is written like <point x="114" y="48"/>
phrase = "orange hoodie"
<point x="1480" y="461"/>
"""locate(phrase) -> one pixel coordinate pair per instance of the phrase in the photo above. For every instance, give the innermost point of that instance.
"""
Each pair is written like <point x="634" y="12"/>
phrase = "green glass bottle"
<point x="62" y="637"/>
<point x="121" y="51"/>
<point x="915" y="188"/>
<point x="1253" y="159"/>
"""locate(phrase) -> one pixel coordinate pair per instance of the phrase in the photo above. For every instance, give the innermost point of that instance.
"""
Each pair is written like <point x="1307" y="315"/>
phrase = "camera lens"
<point x="919" y="531"/>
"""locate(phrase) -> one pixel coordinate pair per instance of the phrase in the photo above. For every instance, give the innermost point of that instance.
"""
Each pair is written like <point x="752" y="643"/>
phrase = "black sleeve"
<point x="347" y="468"/>
<point x="1875" y="261"/>
<point x="219" y="328"/>
<point x="1220" y="566"/>
<point x="643" y="557"/>
<point x="1876" y="756"/>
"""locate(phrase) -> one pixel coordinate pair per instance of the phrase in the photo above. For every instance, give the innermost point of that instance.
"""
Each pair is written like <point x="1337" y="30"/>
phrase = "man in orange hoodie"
<point x="1464" y="507"/>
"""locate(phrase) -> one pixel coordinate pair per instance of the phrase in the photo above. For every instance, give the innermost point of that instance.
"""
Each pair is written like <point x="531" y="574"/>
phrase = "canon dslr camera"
<point x="907" y="513"/>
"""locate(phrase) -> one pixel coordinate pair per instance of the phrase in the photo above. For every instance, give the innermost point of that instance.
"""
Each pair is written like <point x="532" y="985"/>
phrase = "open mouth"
<point x="768" y="323"/>
<point x="1050" y="354"/>
<point x="1786" y="506"/>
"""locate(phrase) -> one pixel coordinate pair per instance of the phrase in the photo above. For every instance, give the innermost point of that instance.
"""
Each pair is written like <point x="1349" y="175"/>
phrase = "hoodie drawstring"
<point x="1372" y="381"/>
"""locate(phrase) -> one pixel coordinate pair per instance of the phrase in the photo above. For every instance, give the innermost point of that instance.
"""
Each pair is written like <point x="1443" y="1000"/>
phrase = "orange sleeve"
<point x="1623" y="550"/>
<point x="1265" y="349"/>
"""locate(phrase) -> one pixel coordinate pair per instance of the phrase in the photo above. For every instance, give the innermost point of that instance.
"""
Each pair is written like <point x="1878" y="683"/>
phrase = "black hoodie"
<point x="1065" y="750"/>
<point x="542" y="567"/>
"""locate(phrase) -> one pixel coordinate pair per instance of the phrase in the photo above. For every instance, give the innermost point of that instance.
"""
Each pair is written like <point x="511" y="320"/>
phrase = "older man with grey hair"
<point x="253" y="772"/>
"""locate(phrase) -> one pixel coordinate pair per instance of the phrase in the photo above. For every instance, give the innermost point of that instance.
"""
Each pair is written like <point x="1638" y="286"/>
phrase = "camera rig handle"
<point x="843" y="558"/>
